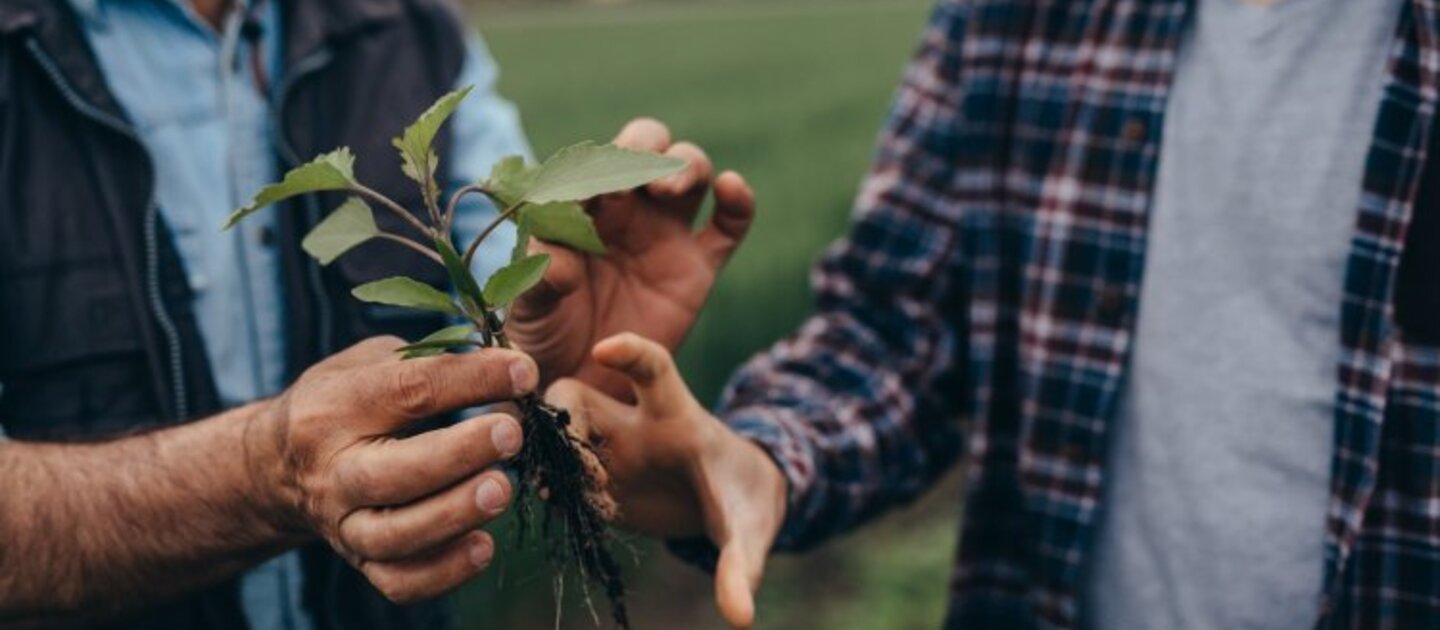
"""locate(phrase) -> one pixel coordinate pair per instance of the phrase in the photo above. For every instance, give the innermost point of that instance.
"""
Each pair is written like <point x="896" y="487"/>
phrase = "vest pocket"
<point x="72" y="359"/>
<point x="62" y="313"/>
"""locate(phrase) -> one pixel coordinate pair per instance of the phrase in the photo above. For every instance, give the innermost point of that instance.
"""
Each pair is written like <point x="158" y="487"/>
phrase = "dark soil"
<point x="572" y="509"/>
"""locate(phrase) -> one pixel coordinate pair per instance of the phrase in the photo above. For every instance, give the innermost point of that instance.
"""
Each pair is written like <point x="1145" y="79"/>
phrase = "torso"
<point x="1220" y="458"/>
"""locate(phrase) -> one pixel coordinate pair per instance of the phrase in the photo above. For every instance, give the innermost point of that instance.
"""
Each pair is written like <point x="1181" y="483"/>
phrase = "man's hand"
<point x="678" y="472"/>
<point x="403" y="509"/>
<point x="113" y="527"/>
<point x="656" y="275"/>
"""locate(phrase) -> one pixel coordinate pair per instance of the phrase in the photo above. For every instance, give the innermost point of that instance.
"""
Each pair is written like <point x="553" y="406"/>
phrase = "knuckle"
<point x="369" y="538"/>
<point x="412" y="389"/>
<point x="357" y="480"/>
<point x="392" y="586"/>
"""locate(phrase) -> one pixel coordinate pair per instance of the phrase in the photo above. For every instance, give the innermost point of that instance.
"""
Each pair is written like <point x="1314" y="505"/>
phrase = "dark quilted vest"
<point x="98" y="335"/>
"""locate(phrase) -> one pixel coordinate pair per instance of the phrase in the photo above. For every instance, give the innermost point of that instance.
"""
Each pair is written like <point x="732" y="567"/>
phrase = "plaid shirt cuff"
<point x="775" y="430"/>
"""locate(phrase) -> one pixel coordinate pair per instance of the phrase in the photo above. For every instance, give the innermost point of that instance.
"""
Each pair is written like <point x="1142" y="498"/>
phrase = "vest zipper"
<point x="329" y="606"/>
<point x="303" y="68"/>
<point x="151" y="255"/>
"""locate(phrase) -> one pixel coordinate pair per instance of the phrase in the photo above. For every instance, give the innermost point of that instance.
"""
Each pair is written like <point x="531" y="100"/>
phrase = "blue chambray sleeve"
<point x="485" y="128"/>
<point x="861" y="407"/>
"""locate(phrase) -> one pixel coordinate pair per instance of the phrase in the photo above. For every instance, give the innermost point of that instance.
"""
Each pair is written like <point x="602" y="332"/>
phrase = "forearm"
<point x="113" y="526"/>
<point x="860" y="408"/>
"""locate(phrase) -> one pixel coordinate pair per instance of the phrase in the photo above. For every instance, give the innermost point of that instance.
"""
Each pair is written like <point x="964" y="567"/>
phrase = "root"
<point x="574" y="508"/>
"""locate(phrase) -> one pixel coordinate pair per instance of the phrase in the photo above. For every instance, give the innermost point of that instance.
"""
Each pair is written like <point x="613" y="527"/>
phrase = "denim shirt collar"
<point x="93" y="11"/>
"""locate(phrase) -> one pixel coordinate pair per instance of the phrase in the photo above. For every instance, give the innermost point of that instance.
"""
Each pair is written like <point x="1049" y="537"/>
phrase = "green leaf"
<point x="331" y="171"/>
<point x="439" y="341"/>
<point x="418" y="159"/>
<point x="400" y="291"/>
<point x="349" y="225"/>
<point x="585" y="170"/>
<point x="460" y="276"/>
<point x="510" y="178"/>
<point x="522" y="242"/>
<point x="565" y="223"/>
<point x="514" y="279"/>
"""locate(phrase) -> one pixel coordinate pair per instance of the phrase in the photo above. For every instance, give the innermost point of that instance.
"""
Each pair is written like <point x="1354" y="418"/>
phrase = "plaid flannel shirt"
<point x="982" y="308"/>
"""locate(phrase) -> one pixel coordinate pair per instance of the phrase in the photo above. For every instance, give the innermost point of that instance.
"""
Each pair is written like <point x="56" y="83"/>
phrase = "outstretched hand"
<point x="676" y="471"/>
<point x="656" y="275"/>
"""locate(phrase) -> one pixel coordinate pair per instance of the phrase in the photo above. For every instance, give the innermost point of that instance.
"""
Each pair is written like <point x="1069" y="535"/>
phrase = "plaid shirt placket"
<point x="1383" y="549"/>
<point x="984" y="299"/>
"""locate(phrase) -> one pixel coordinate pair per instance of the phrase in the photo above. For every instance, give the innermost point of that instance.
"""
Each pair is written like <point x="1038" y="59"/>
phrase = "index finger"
<point x="391" y="472"/>
<point x="415" y="389"/>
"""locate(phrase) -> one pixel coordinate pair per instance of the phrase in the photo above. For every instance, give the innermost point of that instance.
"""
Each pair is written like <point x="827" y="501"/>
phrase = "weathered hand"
<point x="676" y="471"/>
<point x="655" y="277"/>
<point x="403" y="509"/>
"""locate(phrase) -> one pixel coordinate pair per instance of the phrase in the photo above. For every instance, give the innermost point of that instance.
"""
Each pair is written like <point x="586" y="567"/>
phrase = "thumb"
<point x="737" y="577"/>
<point x="651" y="370"/>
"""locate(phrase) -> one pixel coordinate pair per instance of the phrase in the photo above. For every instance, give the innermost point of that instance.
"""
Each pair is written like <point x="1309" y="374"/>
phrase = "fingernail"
<point x="523" y="377"/>
<point x="480" y="553"/>
<point x="490" y="496"/>
<point x="506" y="437"/>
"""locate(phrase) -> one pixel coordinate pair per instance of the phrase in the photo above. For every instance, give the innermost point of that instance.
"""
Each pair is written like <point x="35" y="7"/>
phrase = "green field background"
<point x="790" y="93"/>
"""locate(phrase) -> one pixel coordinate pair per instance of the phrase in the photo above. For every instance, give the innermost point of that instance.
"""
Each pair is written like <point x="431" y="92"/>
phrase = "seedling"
<point x="543" y="201"/>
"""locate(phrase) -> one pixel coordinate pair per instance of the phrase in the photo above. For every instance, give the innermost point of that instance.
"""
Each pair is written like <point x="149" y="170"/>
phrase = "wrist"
<point x="773" y="486"/>
<point x="750" y="466"/>
<point x="273" y="487"/>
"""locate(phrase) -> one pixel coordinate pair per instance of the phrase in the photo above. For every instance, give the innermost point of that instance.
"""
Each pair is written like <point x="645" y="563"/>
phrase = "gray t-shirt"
<point x="1218" y="475"/>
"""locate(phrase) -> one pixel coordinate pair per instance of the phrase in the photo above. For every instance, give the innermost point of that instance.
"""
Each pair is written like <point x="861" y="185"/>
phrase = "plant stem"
<point x="421" y="249"/>
<point x="395" y="209"/>
<point x="431" y="192"/>
<point x="432" y="206"/>
<point x="475" y="244"/>
<point x="448" y="220"/>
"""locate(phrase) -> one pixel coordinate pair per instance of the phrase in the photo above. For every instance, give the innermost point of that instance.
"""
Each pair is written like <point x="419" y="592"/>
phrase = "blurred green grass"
<point x="790" y="93"/>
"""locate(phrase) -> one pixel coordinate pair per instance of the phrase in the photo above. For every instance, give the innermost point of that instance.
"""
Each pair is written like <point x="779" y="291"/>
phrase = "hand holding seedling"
<point x="676" y="471"/>
<point x="544" y="202"/>
<point x="404" y="510"/>
<point x="655" y="275"/>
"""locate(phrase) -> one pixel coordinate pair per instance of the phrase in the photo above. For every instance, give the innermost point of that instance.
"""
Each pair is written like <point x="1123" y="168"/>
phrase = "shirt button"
<point x="267" y="236"/>
<point x="1135" y="130"/>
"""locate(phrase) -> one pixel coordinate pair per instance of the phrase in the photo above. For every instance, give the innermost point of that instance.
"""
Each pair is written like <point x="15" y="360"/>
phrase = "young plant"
<point x="543" y="201"/>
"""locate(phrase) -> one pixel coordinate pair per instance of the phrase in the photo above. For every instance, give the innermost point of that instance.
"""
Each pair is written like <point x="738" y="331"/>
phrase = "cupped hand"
<point x="676" y="471"/>
<point x="655" y="276"/>
<point x="404" y="508"/>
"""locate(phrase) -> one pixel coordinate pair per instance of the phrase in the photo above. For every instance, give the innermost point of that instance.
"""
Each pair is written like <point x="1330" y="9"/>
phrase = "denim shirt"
<point x="194" y="95"/>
